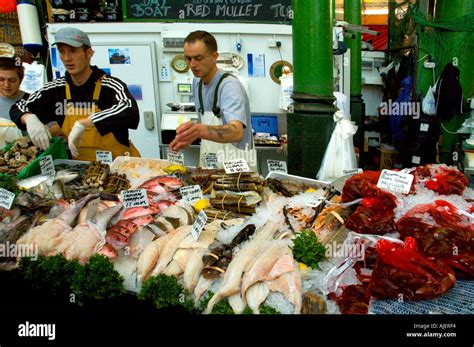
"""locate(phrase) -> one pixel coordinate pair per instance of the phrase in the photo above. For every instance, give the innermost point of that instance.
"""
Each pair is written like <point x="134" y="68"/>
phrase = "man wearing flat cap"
<point x="93" y="110"/>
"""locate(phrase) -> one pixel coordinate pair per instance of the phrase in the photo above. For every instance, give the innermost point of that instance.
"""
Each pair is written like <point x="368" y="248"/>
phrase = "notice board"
<point x="252" y="11"/>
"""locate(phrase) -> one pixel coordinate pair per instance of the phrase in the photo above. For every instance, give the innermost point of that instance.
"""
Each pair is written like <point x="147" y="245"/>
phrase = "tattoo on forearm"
<point x="221" y="130"/>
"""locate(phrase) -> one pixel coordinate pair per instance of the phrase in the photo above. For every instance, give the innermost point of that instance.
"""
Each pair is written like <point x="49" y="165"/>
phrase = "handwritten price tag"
<point x="104" y="157"/>
<point x="395" y="181"/>
<point x="211" y="160"/>
<point x="352" y="172"/>
<point x="6" y="198"/>
<point x="236" y="166"/>
<point x="134" y="198"/>
<point x="46" y="165"/>
<point x="277" y="166"/>
<point x="199" y="225"/>
<point x="176" y="157"/>
<point x="191" y="194"/>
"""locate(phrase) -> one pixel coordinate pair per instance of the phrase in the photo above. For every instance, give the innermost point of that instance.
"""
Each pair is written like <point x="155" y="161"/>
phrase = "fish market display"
<point x="285" y="244"/>
<point x="19" y="156"/>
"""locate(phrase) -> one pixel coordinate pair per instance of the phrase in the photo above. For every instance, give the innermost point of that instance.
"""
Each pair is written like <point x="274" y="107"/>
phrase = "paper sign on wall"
<point x="395" y="181"/>
<point x="256" y="65"/>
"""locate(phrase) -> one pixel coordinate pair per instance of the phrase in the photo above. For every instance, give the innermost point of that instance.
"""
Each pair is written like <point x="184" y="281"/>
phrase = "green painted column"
<point x="312" y="47"/>
<point x="353" y="15"/>
<point x="448" y="10"/>
<point x="310" y="121"/>
<point x="424" y="76"/>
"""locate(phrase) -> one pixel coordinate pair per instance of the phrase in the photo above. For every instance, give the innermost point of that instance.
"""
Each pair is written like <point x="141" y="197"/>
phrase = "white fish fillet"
<point x="286" y="263"/>
<point x="81" y="243"/>
<point x="205" y="239"/>
<point x="257" y="294"/>
<point x="290" y="285"/>
<point x="202" y="286"/>
<point x="181" y="256"/>
<point x="237" y="303"/>
<point x="233" y="275"/>
<point x="171" y="248"/>
<point x="261" y="266"/>
<point x="139" y="240"/>
<point x="193" y="268"/>
<point x="150" y="256"/>
<point x="173" y="269"/>
<point x="147" y="260"/>
<point x="46" y="235"/>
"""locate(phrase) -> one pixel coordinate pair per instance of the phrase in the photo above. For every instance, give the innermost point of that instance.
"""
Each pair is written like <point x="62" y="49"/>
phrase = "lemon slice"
<point x="201" y="204"/>
<point x="175" y="168"/>
<point x="304" y="269"/>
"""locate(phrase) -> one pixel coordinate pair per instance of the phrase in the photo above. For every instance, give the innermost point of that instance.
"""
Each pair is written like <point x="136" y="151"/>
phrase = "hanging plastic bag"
<point x="340" y="153"/>
<point x="35" y="77"/>
<point x="429" y="102"/>
<point x="286" y="90"/>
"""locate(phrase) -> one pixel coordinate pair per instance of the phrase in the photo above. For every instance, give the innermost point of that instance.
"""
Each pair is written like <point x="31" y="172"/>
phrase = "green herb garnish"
<point x="165" y="291"/>
<point x="307" y="249"/>
<point x="97" y="280"/>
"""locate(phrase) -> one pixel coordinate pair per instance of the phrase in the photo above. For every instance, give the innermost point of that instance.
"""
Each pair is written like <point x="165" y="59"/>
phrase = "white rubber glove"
<point x="38" y="132"/>
<point x="74" y="138"/>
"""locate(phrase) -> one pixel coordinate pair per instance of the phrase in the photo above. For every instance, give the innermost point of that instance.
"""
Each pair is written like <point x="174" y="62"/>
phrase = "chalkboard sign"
<point x="253" y="11"/>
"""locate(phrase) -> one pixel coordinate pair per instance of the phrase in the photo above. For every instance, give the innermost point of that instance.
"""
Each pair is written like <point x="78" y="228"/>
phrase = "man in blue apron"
<point x="223" y="105"/>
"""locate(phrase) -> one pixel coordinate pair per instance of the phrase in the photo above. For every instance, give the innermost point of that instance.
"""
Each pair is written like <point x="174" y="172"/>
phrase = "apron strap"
<point x="95" y="96"/>
<point x="98" y="87"/>
<point x="215" y="109"/>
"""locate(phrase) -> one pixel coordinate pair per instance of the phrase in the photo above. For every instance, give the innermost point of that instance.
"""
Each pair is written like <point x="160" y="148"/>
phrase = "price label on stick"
<point x="191" y="194"/>
<point x="277" y="166"/>
<point x="134" y="198"/>
<point x="395" y="181"/>
<point x="46" y="165"/>
<point x="6" y="198"/>
<point x="176" y="157"/>
<point x="236" y="166"/>
<point x="104" y="157"/>
<point x="199" y="225"/>
<point x="211" y="160"/>
<point x="352" y="172"/>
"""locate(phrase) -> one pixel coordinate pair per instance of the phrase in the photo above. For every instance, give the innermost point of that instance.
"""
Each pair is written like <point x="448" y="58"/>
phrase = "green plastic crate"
<point x="56" y="150"/>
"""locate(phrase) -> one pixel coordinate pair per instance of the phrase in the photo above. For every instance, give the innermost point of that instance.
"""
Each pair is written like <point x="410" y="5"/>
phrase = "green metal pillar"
<point x="424" y="77"/>
<point x="353" y="15"/>
<point x="310" y="121"/>
<point x="448" y="10"/>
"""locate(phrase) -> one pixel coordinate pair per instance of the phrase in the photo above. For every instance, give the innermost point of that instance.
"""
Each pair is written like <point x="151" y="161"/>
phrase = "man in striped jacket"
<point x="93" y="110"/>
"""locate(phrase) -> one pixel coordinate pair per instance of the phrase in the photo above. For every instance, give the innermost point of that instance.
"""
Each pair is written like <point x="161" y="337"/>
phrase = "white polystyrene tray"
<point x="308" y="181"/>
<point x="69" y="162"/>
<point x="138" y="170"/>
